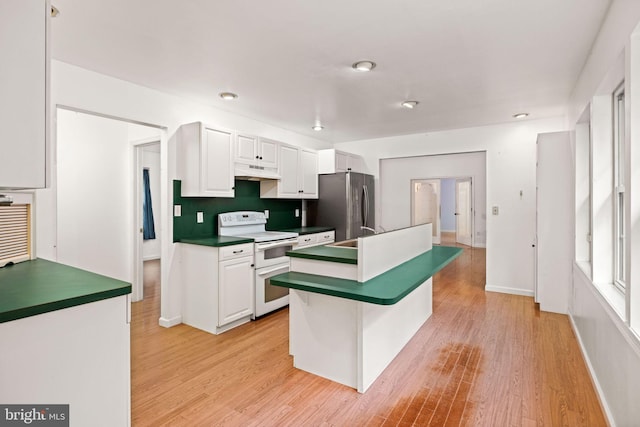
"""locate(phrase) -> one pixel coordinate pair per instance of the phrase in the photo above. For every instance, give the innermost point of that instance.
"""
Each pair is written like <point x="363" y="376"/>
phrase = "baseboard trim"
<point x="167" y="323"/>
<point x="505" y="290"/>
<point x="594" y="379"/>
<point x="480" y="245"/>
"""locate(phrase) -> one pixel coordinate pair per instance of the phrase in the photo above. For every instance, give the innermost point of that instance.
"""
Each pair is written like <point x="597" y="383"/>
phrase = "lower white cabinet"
<point x="217" y="286"/>
<point x="315" y="239"/>
<point x="235" y="290"/>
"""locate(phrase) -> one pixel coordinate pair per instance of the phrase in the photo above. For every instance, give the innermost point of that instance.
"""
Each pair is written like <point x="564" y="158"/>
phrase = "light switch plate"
<point x="495" y="210"/>
<point x="177" y="210"/>
<point x="297" y="213"/>
<point x="266" y="213"/>
<point x="200" y="217"/>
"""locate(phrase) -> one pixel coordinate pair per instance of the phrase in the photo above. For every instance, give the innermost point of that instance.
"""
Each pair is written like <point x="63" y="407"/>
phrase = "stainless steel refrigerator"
<point x="345" y="202"/>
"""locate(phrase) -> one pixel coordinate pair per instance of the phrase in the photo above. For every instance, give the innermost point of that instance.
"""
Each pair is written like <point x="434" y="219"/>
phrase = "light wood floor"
<point x="482" y="359"/>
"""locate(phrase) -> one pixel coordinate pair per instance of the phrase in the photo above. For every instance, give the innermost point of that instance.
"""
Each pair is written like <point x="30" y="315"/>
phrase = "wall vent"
<point x="15" y="233"/>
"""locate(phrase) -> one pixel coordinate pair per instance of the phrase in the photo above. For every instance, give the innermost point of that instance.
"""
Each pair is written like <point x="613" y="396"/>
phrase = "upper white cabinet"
<point x="23" y="88"/>
<point x="253" y="150"/>
<point x="205" y="160"/>
<point x="332" y="161"/>
<point x="298" y="175"/>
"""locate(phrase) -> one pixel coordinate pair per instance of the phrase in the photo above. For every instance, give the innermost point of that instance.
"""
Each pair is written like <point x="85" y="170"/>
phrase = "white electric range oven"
<point x="270" y="258"/>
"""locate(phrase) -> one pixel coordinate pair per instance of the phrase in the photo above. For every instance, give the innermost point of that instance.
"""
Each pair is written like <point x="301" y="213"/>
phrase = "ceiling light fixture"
<point x="228" y="95"/>
<point x="317" y="128"/>
<point x="364" y="66"/>
<point x="520" y="115"/>
<point x="410" y="104"/>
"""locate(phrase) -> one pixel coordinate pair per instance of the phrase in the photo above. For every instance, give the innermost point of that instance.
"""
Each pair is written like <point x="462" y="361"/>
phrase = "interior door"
<point x="425" y="196"/>
<point x="464" y="212"/>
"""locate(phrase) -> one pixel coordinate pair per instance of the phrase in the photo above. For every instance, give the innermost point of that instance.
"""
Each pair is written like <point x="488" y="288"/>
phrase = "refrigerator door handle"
<point x="365" y="210"/>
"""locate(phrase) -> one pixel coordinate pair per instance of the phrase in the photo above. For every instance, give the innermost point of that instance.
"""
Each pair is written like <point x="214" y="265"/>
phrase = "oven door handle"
<point x="273" y="270"/>
<point x="265" y="246"/>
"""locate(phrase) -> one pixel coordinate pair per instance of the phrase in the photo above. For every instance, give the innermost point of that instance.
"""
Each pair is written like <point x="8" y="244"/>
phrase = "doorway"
<point x="95" y="191"/>
<point x="148" y="232"/>
<point x="447" y="203"/>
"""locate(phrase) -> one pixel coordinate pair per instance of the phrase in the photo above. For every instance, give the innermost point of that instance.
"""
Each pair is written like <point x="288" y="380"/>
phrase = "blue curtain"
<point x="148" y="228"/>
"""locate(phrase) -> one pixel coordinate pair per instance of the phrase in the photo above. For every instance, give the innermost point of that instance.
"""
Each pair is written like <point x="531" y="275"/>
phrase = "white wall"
<point x="511" y="162"/>
<point x="395" y="192"/>
<point x="82" y="89"/>
<point x="611" y="348"/>
<point x="448" y="204"/>
<point x="151" y="160"/>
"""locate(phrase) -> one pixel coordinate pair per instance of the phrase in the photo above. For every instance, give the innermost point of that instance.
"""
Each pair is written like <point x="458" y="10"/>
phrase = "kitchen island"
<point x="353" y="308"/>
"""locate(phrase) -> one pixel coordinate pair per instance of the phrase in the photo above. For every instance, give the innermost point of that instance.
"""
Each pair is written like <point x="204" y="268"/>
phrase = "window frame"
<point x="620" y="198"/>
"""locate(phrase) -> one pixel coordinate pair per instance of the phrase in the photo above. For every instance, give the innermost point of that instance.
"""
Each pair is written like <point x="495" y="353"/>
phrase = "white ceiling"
<point x="468" y="62"/>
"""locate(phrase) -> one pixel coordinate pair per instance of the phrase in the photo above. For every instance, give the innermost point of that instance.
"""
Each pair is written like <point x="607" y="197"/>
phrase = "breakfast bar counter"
<point x="354" y="305"/>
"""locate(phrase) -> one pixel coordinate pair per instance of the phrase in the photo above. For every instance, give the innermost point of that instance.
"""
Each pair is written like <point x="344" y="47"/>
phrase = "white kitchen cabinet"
<point x="24" y="75"/>
<point x="315" y="239"/>
<point x="235" y="289"/>
<point x="298" y="175"/>
<point x="217" y="286"/>
<point x="332" y="161"/>
<point x="256" y="151"/>
<point x="205" y="160"/>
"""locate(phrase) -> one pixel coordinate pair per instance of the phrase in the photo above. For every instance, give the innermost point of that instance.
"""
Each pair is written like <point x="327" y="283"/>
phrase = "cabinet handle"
<point x="307" y="240"/>
<point x="257" y="157"/>
<point x="260" y="157"/>
<point x="238" y="252"/>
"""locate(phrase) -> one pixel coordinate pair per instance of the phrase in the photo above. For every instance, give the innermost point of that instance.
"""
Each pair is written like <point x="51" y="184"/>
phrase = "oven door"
<point x="268" y="296"/>
<point x="273" y="253"/>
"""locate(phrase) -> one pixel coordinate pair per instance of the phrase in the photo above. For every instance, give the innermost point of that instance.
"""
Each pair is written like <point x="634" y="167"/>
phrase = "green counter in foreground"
<point x="40" y="286"/>
<point x="385" y="289"/>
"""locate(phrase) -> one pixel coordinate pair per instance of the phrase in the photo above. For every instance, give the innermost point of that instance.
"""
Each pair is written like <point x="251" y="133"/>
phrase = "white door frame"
<point x="471" y="210"/>
<point x="137" y="287"/>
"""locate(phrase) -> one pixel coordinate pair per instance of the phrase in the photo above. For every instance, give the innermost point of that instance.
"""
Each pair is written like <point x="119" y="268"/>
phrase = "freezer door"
<point x="332" y="203"/>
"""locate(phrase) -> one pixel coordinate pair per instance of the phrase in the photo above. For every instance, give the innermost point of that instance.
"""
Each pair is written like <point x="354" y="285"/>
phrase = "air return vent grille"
<point x="15" y="234"/>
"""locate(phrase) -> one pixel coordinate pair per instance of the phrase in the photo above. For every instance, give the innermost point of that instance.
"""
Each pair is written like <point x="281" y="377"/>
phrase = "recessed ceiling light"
<point x="520" y="115"/>
<point x="54" y="11"/>
<point x="364" y="65"/>
<point x="317" y="128"/>
<point x="228" y="95"/>
<point x="410" y="104"/>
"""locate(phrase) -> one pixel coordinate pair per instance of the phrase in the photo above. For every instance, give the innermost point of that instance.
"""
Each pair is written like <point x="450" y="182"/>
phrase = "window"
<point x="619" y="157"/>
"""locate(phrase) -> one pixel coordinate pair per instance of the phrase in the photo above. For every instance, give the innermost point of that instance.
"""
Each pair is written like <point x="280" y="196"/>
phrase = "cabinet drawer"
<point x="328" y="236"/>
<point x="308" y="239"/>
<point x="236" y="251"/>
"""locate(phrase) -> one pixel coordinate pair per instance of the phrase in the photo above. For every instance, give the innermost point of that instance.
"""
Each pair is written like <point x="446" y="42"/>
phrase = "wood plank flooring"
<point x="482" y="359"/>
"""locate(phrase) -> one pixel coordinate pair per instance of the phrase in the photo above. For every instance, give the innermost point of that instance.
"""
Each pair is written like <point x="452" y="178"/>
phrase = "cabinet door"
<point x="246" y="149"/>
<point x="268" y="153"/>
<point x="23" y="89"/>
<point x="288" y="186"/>
<point x="341" y="160"/>
<point x="216" y="171"/>
<point x="355" y="164"/>
<point x="309" y="174"/>
<point x="235" y="290"/>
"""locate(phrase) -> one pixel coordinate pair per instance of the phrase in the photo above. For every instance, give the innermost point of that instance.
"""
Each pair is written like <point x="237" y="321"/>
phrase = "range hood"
<point x="254" y="173"/>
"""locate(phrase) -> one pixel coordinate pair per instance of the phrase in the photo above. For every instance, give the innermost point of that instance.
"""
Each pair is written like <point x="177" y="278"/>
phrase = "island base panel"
<point x="352" y="342"/>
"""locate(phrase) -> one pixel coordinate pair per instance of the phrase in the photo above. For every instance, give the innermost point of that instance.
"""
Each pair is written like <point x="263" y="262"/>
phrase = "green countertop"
<point x="309" y="230"/>
<point x="385" y="289"/>
<point x="216" y="241"/>
<point x="327" y="253"/>
<point x="39" y="286"/>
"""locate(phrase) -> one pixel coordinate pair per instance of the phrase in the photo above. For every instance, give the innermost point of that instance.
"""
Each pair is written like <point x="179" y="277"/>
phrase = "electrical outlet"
<point x="177" y="210"/>
<point x="200" y="217"/>
<point x="266" y="213"/>
<point x="297" y="213"/>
